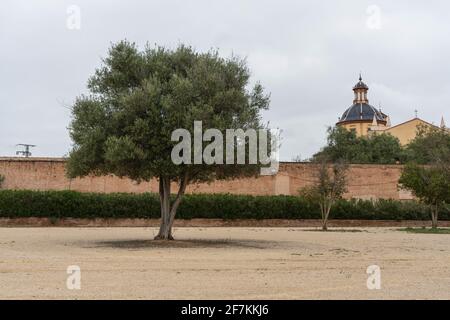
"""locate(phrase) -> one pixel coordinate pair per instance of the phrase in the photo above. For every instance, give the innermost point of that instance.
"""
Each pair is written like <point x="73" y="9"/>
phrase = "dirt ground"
<point x="222" y="263"/>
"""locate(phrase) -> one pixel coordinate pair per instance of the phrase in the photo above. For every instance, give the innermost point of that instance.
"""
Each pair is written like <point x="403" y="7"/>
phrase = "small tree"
<point x="427" y="175"/>
<point x="138" y="98"/>
<point x="330" y="185"/>
<point x="431" y="184"/>
<point x="2" y="179"/>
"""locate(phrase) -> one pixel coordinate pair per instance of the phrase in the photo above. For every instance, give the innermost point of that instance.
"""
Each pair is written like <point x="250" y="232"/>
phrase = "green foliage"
<point x="58" y="204"/>
<point x="65" y="204"/>
<point x="431" y="184"/>
<point x="343" y="144"/>
<point x="2" y="179"/>
<point x="138" y="98"/>
<point x="431" y="145"/>
<point x="383" y="149"/>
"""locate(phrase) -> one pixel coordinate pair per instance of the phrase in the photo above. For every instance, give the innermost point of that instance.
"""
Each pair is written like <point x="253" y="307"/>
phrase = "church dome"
<point x="362" y="112"/>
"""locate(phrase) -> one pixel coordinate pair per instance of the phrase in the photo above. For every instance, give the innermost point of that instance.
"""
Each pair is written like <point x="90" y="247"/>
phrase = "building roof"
<point x="411" y="120"/>
<point x="362" y="112"/>
<point x="360" y="84"/>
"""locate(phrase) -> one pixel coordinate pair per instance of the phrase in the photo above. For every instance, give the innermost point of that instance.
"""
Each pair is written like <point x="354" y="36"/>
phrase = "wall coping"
<point x="282" y="163"/>
<point x="32" y="159"/>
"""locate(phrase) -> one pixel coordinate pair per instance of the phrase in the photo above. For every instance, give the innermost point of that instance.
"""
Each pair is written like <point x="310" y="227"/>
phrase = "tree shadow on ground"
<point x="185" y="243"/>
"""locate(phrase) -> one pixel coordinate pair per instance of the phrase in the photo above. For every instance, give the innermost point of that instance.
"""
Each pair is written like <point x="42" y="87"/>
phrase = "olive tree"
<point x="329" y="186"/>
<point x="137" y="98"/>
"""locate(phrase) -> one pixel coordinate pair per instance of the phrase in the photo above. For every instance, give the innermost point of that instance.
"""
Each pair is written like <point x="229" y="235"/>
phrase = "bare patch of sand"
<point x="222" y="263"/>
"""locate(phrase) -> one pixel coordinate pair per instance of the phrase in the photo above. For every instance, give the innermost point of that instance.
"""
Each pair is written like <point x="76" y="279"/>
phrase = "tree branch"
<point x="183" y="184"/>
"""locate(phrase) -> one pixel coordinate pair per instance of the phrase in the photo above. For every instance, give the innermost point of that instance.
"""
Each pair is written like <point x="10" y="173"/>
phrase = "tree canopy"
<point x="430" y="145"/>
<point x="427" y="173"/>
<point x="430" y="184"/>
<point x="343" y="144"/>
<point x="138" y="98"/>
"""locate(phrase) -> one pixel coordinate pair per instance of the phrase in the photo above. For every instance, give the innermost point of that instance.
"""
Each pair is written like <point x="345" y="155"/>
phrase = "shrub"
<point x="2" y="179"/>
<point x="65" y="204"/>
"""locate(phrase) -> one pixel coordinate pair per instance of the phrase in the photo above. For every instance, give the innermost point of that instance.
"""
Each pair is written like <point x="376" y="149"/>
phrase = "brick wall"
<point x="365" y="181"/>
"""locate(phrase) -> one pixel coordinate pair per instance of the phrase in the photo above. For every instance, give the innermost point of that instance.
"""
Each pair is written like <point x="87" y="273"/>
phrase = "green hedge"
<point x="58" y="204"/>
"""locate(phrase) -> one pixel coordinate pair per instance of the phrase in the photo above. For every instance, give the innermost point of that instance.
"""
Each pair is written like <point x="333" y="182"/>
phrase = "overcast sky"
<point x="307" y="54"/>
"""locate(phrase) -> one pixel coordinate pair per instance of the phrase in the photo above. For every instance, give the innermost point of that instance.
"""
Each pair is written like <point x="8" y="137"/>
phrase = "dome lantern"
<point x="360" y="90"/>
<point x="361" y="116"/>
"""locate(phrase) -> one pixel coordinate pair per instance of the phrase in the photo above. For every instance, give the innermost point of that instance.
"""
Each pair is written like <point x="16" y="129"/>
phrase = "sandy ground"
<point x="222" y="263"/>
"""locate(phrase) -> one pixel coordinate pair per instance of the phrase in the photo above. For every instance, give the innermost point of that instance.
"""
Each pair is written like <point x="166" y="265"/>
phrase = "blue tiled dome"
<point x="362" y="112"/>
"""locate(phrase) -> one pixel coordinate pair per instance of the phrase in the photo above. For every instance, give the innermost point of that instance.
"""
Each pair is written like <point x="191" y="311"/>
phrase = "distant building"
<point x="406" y="131"/>
<point x="364" y="119"/>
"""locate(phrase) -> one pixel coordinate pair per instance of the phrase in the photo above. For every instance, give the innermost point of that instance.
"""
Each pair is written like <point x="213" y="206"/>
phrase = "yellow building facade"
<point x="406" y="131"/>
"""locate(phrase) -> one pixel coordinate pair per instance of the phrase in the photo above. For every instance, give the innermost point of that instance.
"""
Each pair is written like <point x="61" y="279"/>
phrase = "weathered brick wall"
<point x="365" y="181"/>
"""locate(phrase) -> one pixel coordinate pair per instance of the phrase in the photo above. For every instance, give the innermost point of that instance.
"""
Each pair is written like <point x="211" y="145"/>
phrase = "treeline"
<point x="430" y="144"/>
<point x="71" y="204"/>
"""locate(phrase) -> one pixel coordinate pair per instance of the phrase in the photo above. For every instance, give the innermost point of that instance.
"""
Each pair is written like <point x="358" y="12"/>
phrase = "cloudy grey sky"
<point x="306" y="53"/>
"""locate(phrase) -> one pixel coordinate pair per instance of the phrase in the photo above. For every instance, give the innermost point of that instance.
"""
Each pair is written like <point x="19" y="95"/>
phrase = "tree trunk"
<point x="168" y="211"/>
<point x="434" y="217"/>
<point x="322" y="212"/>
<point x="326" y="208"/>
<point x="165" y="233"/>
